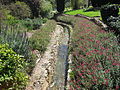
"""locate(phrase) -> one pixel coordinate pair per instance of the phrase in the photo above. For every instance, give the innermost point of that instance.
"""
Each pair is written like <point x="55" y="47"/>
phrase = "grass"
<point x="82" y="11"/>
<point x="41" y="37"/>
<point x="96" y="56"/>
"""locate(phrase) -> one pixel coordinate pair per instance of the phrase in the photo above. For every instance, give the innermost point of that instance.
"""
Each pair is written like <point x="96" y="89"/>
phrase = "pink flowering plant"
<point x="96" y="58"/>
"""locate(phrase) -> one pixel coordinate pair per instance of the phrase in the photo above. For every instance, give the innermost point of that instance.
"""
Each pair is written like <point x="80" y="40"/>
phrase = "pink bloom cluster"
<point x="96" y="58"/>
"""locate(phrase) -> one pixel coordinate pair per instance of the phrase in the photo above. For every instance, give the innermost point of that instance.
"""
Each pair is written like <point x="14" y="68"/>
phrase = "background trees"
<point x="76" y="4"/>
<point x="39" y="8"/>
<point x="99" y="3"/>
<point x="60" y="5"/>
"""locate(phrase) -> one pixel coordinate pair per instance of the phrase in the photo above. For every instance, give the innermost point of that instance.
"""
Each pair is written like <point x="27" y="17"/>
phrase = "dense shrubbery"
<point x="110" y="16"/>
<point x="5" y="13"/>
<point x="46" y="9"/>
<point x="41" y="38"/>
<point x="29" y="24"/>
<point x="109" y="10"/>
<point x="17" y="40"/>
<point x="99" y="3"/>
<point x="114" y="22"/>
<point x="20" y="10"/>
<point x="12" y="72"/>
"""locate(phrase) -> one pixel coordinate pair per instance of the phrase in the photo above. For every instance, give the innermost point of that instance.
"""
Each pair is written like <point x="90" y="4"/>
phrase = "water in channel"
<point x="60" y="76"/>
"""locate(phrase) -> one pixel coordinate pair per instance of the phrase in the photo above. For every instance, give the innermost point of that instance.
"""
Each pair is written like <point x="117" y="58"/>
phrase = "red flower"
<point x="116" y="64"/>
<point x="96" y="50"/>
<point x="78" y="87"/>
<point x="92" y="35"/>
<point x="97" y="41"/>
<point x="117" y="87"/>
<point x="80" y="74"/>
<point x="88" y="53"/>
<point x="106" y="71"/>
<point x="102" y="48"/>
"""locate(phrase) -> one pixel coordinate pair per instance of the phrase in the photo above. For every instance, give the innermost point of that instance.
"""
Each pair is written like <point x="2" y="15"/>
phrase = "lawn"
<point x="82" y="11"/>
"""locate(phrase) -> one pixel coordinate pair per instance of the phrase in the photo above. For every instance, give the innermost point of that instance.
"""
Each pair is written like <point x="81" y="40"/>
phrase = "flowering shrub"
<point x="96" y="58"/>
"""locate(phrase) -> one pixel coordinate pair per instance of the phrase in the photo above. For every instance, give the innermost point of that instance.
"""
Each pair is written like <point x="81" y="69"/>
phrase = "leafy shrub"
<point x="109" y="10"/>
<point x="17" y="40"/>
<point x="29" y="24"/>
<point x="20" y="10"/>
<point x="41" y="38"/>
<point x="12" y="73"/>
<point x="46" y="9"/>
<point x="5" y="13"/>
<point x="114" y="22"/>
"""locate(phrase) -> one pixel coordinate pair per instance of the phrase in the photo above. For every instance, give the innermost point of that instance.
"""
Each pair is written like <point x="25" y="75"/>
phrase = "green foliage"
<point x="12" y="73"/>
<point x="29" y="24"/>
<point x="20" y="10"/>
<point x="76" y="4"/>
<point x="5" y="13"/>
<point x="99" y="3"/>
<point x="17" y="40"/>
<point x="41" y="38"/>
<point x="114" y="22"/>
<point x="46" y="9"/>
<point x="111" y="17"/>
<point x="67" y="19"/>
<point x="109" y="10"/>
<point x="83" y="12"/>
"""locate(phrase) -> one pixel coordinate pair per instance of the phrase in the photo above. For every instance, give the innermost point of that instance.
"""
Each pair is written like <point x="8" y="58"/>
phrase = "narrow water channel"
<point x="60" y="76"/>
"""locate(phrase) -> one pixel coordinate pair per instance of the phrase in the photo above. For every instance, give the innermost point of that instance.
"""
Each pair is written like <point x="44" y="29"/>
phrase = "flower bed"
<point x="96" y="58"/>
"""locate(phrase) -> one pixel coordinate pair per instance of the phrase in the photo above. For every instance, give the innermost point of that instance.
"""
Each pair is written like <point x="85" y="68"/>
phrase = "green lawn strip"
<point x="95" y="61"/>
<point x="87" y="13"/>
<point x="81" y="11"/>
<point x="41" y="38"/>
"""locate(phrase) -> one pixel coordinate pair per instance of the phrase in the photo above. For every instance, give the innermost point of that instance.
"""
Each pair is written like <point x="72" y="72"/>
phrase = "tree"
<point x="76" y="4"/>
<point x="60" y="5"/>
<point x="99" y="3"/>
